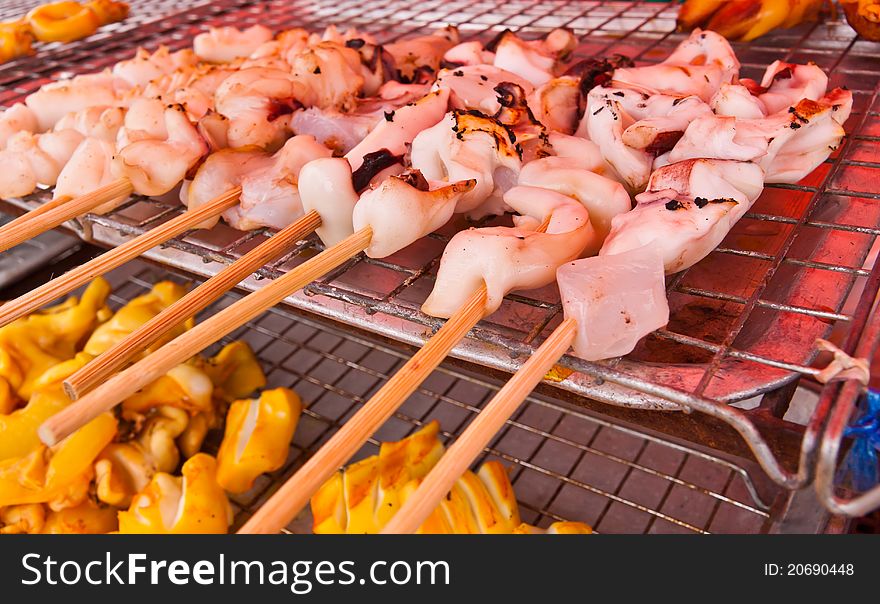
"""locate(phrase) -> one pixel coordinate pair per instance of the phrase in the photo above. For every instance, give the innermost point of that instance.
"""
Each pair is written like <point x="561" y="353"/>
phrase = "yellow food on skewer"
<point x="62" y="22"/>
<point x="15" y="40"/>
<point x="366" y="495"/>
<point x="191" y="503"/>
<point x="257" y="438"/>
<point x="31" y="345"/>
<point x="134" y="314"/>
<point x="746" y="20"/>
<point x="864" y="16"/>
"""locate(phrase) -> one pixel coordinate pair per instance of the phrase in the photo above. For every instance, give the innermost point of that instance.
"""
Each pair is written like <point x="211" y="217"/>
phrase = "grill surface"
<point x="743" y="321"/>
<point x="565" y="465"/>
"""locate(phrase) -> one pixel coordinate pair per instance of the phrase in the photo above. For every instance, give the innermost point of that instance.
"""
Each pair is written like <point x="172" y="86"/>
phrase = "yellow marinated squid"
<point x="31" y="345"/>
<point x="257" y="438"/>
<point x="363" y="497"/>
<point x="191" y="503"/>
<point x="134" y="314"/>
<point x="173" y="416"/>
<point x="18" y="430"/>
<point x="59" y="475"/>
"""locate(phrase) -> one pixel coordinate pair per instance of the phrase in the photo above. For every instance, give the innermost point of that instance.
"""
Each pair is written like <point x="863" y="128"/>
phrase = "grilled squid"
<point x="158" y="156"/>
<point x="603" y="197"/>
<point x="269" y="191"/>
<point x="533" y="60"/>
<point x="470" y="146"/>
<point x="509" y="258"/>
<point x="325" y="186"/>
<point x="687" y="210"/>
<point x="473" y="87"/>
<point x="698" y="66"/>
<point x="398" y="128"/>
<point x="422" y="54"/>
<point x="225" y="44"/>
<point x="18" y="118"/>
<point x="30" y="160"/>
<point x="56" y="99"/>
<point x="405" y="208"/>
<point x="257" y="438"/>
<point x="784" y="84"/>
<point x="191" y="503"/>
<point x="257" y="102"/>
<point x="269" y="183"/>
<point x="787" y="145"/>
<point x="145" y="66"/>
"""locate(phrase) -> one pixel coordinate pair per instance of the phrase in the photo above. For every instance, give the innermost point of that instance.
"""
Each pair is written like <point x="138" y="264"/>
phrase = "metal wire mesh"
<point x="743" y="321"/>
<point x="564" y="464"/>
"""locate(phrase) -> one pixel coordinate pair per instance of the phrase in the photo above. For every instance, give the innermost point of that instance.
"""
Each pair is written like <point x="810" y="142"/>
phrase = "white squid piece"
<point x="473" y="87"/>
<point x="786" y="83"/>
<point x="698" y="66"/>
<point x="533" y="60"/>
<point x="226" y="44"/>
<point x="737" y="101"/>
<point x="30" y="160"/>
<point x="602" y="197"/>
<point x="270" y="192"/>
<point x="469" y="53"/>
<point x="687" y="210"/>
<point x="257" y="102"/>
<point x="325" y="186"/>
<point x="511" y="258"/>
<point x="90" y="167"/>
<point x="159" y="156"/>
<point x="328" y="75"/>
<point x="469" y="146"/>
<point x="616" y="299"/>
<point x="145" y="67"/>
<point x="402" y="209"/>
<point x="787" y="145"/>
<point x="18" y="118"/>
<point x="55" y="100"/>
<point x="396" y="131"/>
<point x="422" y="53"/>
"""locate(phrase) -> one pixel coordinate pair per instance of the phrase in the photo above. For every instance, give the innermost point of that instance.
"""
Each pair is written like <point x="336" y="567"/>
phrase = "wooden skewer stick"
<point x="124" y="384"/>
<point x="58" y="211"/>
<point x="294" y="494"/>
<point x="72" y="279"/>
<point x="124" y="351"/>
<point x="479" y="433"/>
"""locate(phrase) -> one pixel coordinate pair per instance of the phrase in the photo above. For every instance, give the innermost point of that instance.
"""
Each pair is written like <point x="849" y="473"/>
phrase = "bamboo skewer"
<point x="479" y="433"/>
<point x="199" y="298"/>
<point x="124" y="384"/>
<point x="295" y="493"/>
<point x="130" y="249"/>
<point x="58" y="211"/>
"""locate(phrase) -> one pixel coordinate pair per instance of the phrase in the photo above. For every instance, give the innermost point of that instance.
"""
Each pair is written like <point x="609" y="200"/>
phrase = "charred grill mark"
<point x="414" y="178"/>
<point x="373" y="163"/>
<point x="663" y="142"/>
<point x="355" y="43"/>
<point x="702" y="202"/>
<point x="492" y="45"/>
<point x="278" y="107"/>
<point x="674" y="204"/>
<point x="389" y="115"/>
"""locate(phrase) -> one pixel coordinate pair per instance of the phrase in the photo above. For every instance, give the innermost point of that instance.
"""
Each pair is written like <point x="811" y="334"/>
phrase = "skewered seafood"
<point x="746" y="19"/>
<point x="687" y="209"/>
<point x="616" y="299"/>
<point x="506" y="259"/>
<point x="226" y="44"/>
<point x="364" y="496"/>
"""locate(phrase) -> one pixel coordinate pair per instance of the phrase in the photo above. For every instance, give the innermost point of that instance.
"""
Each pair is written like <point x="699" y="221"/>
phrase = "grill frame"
<point x="800" y="212"/>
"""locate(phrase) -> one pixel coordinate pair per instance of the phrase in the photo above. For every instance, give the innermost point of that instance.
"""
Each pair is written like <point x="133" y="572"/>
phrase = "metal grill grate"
<point x="743" y="321"/>
<point x="565" y="465"/>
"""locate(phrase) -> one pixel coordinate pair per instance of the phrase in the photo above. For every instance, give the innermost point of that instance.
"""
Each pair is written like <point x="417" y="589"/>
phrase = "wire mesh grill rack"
<point x="743" y="321"/>
<point x="564" y="464"/>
